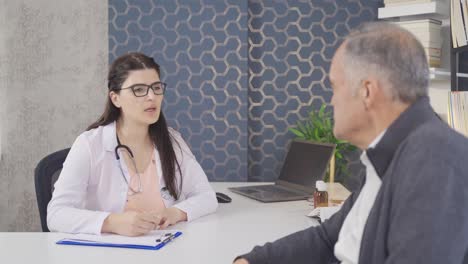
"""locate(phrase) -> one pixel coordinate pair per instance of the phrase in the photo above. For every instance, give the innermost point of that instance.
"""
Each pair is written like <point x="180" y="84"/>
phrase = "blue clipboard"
<point x="91" y="243"/>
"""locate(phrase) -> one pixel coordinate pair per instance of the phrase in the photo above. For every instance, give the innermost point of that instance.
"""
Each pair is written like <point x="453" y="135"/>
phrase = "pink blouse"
<point x="150" y="198"/>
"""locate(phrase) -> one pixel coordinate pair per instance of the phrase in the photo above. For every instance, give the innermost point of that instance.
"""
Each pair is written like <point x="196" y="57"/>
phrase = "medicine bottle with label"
<point x="320" y="194"/>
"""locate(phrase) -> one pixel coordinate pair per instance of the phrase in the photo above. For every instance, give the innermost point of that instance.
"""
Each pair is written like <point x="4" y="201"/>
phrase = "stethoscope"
<point x="132" y="158"/>
<point x="164" y="191"/>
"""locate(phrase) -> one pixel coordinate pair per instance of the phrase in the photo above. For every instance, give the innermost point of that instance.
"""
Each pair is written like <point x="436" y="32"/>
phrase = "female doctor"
<point x="129" y="173"/>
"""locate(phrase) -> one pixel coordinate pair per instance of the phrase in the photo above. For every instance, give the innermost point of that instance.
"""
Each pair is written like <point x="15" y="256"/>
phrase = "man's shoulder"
<point x="433" y="146"/>
<point x="437" y="136"/>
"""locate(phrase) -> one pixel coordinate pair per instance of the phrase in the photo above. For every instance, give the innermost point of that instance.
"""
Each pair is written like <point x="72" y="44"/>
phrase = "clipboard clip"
<point x="169" y="238"/>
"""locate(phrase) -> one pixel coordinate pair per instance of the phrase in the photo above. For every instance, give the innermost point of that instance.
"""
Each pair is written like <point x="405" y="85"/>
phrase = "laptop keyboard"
<point x="276" y="190"/>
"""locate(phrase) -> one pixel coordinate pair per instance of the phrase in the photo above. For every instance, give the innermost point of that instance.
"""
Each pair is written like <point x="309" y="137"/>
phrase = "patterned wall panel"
<point x="291" y="44"/>
<point x="240" y="73"/>
<point x="202" y="48"/>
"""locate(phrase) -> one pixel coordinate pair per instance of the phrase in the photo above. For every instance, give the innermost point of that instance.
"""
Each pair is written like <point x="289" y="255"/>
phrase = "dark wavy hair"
<point x="159" y="133"/>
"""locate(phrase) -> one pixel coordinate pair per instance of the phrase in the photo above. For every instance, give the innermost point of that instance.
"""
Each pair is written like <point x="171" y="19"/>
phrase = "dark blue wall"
<point x="239" y="73"/>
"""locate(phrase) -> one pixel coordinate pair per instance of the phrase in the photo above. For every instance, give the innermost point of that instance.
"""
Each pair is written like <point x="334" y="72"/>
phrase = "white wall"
<point x="438" y="90"/>
<point x="438" y="94"/>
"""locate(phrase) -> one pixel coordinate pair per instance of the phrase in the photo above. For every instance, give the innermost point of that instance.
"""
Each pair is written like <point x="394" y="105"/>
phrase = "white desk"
<point x="234" y="229"/>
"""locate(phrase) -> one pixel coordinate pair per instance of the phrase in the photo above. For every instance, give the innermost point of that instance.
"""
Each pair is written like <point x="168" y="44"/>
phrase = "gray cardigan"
<point x="420" y="214"/>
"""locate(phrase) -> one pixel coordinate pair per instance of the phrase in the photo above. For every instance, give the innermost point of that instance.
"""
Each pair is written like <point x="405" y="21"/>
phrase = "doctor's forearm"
<point x="108" y="224"/>
<point x="180" y="214"/>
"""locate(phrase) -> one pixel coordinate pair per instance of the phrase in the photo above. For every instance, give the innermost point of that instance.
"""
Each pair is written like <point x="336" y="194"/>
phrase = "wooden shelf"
<point x="439" y="74"/>
<point x="462" y="75"/>
<point x="460" y="49"/>
<point x="437" y="10"/>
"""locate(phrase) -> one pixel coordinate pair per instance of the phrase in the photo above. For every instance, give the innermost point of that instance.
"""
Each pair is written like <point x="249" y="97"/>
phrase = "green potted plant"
<point x="319" y="128"/>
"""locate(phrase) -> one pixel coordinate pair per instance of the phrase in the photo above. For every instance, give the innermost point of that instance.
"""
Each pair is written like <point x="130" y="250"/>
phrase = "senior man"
<point x="411" y="207"/>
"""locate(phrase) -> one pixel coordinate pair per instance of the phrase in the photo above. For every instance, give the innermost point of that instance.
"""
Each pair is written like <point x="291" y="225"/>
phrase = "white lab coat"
<point x="91" y="185"/>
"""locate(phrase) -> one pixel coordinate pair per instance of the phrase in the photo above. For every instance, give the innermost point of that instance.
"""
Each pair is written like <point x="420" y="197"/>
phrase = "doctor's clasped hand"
<point x="133" y="223"/>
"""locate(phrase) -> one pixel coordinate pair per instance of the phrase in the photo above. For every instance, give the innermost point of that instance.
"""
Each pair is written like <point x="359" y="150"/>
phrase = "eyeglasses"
<point x="141" y="90"/>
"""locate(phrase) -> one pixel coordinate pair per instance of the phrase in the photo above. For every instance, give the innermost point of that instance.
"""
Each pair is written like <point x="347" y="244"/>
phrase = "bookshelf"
<point x="459" y="73"/>
<point x="440" y="77"/>
<point x="439" y="74"/>
<point x="438" y="10"/>
<point x="442" y="28"/>
<point x="458" y="55"/>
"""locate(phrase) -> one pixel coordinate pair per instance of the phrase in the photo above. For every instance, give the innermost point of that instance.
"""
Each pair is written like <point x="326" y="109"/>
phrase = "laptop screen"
<point x="306" y="162"/>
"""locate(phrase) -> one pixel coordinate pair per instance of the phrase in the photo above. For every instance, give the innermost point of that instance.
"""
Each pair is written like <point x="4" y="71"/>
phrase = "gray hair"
<point x="391" y="53"/>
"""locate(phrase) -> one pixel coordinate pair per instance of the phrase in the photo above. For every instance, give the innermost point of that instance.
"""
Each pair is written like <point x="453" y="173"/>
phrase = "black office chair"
<point x="45" y="175"/>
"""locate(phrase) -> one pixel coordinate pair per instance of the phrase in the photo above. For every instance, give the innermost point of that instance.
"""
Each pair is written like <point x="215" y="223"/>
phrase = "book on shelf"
<point x="428" y="32"/>
<point x="428" y="23"/>
<point x="464" y="9"/>
<point x="429" y="42"/>
<point x="452" y="27"/>
<point x="457" y="114"/>
<point x="391" y="3"/>
<point x="434" y="62"/>
<point x="458" y="21"/>
<point x="433" y="52"/>
<point x="423" y="25"/>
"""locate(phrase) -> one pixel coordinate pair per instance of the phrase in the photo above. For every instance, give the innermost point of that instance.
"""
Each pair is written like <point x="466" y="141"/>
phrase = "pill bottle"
<point x="320" y="194"/>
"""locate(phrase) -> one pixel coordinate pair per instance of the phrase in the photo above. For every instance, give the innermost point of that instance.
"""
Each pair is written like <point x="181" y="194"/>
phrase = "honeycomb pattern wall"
<point x="291" y="44"/>
<point x="239" y="73"/>
<point x="202" y="49"/>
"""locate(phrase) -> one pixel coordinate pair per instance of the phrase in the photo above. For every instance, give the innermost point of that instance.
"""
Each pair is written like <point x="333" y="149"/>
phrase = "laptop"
<point x="305" y="163"/>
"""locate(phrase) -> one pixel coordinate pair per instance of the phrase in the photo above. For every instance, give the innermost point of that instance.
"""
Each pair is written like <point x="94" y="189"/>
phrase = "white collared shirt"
<point x="349" y="240"/>
<point x="91" y="185"/>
